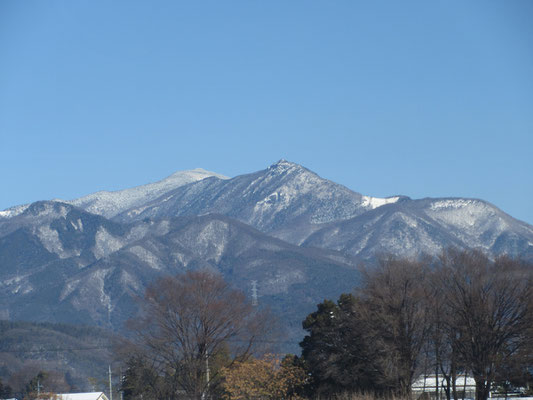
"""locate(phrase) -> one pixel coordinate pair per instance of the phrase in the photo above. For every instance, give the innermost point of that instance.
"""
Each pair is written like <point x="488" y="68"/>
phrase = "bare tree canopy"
<point x="192" y="325"/>
<point x="459" y="313"/>
<point x="370" y="341"/>
<point x="393" y="296"/>
<point x="488" y="306"/>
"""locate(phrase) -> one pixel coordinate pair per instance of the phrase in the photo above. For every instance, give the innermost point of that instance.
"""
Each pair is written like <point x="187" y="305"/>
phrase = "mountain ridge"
<point x="108" y="204"/>
<point x="297" y="235"/>
<point x="259" y="198"/>
<point x="290" y="202"/>
<point x="96" y="286"/>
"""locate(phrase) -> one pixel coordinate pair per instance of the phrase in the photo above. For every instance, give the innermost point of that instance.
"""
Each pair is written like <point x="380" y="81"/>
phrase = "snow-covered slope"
<point x="13" y="211"/>
<point x="109" y="204"/>
<point x="412" y="227"/>
<point x="292" y="203"/>
<point x="296" y="205"/>
<point x="62" y="261"/>
<point x="74" y="266"/>
<point x="375" y="202"/>
<point x="283" y="194"/>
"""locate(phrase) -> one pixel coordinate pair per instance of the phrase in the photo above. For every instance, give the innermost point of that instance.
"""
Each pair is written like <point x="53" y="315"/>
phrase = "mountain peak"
<point x="283" y="166"/>
<point x="194" y="174"/>
<point x="110" y="204"/>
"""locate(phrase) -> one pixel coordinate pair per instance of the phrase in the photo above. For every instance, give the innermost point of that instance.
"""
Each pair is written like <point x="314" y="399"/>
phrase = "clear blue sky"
<point x="421" y="98"/>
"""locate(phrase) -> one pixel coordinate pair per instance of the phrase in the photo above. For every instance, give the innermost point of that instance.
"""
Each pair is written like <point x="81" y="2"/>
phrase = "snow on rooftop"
<point x="430" y="381"/>
<point x="82" y="396"/>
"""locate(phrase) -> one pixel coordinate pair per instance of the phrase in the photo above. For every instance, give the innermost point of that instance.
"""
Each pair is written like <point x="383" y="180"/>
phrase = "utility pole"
<point x="110" y="387"/>
<point x="206" y="391"/>
<point x="207" y="371"/>
<point x="121" y="385"/>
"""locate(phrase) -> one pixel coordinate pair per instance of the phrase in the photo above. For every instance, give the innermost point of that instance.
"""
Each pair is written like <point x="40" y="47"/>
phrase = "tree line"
<point x="458" y="313"/>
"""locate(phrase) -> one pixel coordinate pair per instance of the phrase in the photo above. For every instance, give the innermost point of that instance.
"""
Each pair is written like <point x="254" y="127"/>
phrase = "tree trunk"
<point x="464" y="385"/>
<point x="447" y="388"/>
<point x="453" y="374"/>
<point x="482" y="389"/>
<point x="437" y="382"/>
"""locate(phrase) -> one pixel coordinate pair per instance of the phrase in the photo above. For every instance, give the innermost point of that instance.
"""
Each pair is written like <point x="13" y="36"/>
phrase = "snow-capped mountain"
<point x="292" y="203"/>
<point x="49" y="242"/>
<point x="281" y="195"/>
<point x="295" y="234"/>
<point x="109" y="204"/>
<point x="411" y="227"/>
<point x="78" y="267"/>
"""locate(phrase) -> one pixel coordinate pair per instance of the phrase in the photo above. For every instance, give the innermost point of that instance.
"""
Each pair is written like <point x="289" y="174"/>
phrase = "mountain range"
<point x="284" y="233"/>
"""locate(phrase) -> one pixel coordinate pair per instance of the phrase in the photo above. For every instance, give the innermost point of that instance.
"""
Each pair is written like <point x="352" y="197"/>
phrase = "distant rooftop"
<point x="82" y="396"/>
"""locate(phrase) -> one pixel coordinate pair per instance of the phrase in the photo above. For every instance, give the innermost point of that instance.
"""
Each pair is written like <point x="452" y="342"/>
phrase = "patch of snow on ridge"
<point x="80" y="225"/>
<point x="474" y="222"/>
<point x="50" y="240"/>
<point x="452" y="203"/>
<point x="147" y="256"/>
<point x="105" y="243"/>
<point x="375" y="202"/>
<point x="68" y="289"/>
<point x="13" y="211"/>
<point x="464" y="213"/>
<point x="97" y="281"/>
<point x="44" y="210"/>
<point x="23" y="289"/>
<point x="109" y="204"/>
<point x="129" y="281"/>
<point x="212" y="240"/>
<point x="13" y="280"/>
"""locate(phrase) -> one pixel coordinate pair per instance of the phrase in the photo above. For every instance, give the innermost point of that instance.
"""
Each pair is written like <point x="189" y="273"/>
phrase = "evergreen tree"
<point x="5" y="391"/>
<point x="337" y="352"/>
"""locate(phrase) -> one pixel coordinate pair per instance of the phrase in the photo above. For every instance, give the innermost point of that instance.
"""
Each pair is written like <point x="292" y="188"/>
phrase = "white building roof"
<point x="430" y="382"/>
<point x="82" y="396"/>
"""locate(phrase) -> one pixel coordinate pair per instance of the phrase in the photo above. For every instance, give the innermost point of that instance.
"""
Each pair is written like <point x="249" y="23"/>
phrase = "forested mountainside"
<point x="67" y="354"/>
<point x="282" y="234"/>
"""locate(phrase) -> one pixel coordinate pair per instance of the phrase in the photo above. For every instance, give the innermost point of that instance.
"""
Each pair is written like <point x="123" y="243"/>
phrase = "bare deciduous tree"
<point x="489" y="307"/>
<point x="188" y="322"/>
<point x="461" y="312"/>
<point x="396" y="311"/>
<point x="442" y="341"/>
